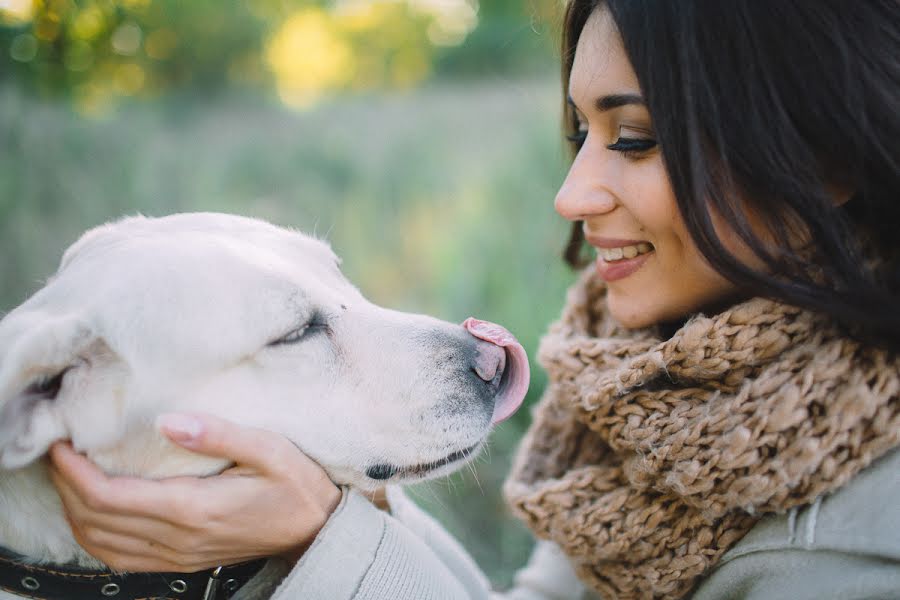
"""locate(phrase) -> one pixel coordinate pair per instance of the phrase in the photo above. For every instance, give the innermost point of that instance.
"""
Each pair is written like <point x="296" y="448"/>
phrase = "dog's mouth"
<point x="385" y="471"/>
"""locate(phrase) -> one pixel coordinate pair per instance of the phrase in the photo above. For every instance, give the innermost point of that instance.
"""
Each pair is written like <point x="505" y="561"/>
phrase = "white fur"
<point x="176" y="314"/>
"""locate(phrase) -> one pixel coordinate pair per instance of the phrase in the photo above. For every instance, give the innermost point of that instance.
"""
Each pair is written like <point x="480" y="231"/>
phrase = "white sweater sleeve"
<point x="547" y="576"/>
<point x="363" y="553"/>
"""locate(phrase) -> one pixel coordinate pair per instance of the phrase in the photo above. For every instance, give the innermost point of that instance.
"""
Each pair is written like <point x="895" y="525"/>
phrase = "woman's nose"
<point x="585" y="191"/>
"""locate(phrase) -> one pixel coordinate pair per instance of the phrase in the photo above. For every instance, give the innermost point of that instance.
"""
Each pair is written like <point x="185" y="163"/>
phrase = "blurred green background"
<point x="419" y="136"/>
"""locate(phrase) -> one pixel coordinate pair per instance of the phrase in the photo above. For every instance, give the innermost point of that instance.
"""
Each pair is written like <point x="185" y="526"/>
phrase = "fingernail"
<point x="179" y="427"/>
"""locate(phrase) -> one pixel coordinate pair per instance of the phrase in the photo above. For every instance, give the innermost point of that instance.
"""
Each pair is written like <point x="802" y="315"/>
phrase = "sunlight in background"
<point x="16" y="11"/>
<point x="453" y="19"/>
<point x="309" y="54"/>
<point x="107" y="50"/>
<point x="362" y="45"/>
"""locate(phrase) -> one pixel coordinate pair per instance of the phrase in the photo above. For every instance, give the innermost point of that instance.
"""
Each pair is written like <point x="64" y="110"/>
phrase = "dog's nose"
<point x="490" y="361"/>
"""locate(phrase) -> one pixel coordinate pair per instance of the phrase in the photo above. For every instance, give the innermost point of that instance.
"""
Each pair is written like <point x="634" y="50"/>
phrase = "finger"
<point x="212" y="436"/>
<point x="127" y="552"/>
<point x="81" y="517"/>
<point x="150" y="545"/>
<point x="83" y="476"/>
<point x="100" y="493"/>
<point x="104" y="544"/>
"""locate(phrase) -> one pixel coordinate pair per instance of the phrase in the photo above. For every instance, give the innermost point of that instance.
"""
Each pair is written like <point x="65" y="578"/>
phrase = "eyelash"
<point x="629" y="147"/>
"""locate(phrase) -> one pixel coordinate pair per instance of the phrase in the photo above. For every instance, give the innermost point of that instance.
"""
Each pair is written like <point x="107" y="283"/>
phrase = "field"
<point x="439" y="200"/>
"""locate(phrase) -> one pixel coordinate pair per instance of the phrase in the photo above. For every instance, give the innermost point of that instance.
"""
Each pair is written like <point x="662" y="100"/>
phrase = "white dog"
<point x="233" y="316"/>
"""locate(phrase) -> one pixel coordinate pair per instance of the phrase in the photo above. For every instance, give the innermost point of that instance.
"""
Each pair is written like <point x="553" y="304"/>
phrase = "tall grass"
<point x="439" y="201"/>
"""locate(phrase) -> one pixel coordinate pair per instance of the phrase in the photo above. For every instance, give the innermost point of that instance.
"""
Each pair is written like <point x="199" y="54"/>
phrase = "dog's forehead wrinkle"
<point x="193" y="298"/>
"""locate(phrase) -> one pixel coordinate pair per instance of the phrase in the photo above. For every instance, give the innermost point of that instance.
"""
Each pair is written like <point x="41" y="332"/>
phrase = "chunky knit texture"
<point x="649" y="458"/>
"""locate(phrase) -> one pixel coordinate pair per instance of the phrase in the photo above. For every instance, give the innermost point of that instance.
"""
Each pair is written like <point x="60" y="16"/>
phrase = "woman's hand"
<point x="272" y="502"/>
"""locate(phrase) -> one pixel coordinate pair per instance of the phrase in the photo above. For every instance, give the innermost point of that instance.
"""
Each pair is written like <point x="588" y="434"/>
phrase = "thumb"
<point x="213" y="436"/>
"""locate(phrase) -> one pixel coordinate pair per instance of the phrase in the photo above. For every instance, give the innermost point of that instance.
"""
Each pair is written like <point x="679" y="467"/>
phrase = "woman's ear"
<point x="33" y="368"/>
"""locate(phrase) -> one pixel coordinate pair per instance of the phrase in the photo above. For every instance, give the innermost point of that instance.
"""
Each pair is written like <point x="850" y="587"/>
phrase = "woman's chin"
<point x="629" y="312"/>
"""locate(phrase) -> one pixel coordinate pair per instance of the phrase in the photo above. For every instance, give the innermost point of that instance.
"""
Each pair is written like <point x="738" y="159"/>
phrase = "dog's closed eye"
<point x="316" y="324"/>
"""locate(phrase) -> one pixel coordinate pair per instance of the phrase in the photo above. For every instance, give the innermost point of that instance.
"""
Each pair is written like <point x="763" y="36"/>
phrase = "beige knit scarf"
<point x="648" y="459"/>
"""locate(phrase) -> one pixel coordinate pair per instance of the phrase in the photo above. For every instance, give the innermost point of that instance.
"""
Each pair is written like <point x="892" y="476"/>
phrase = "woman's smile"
<point x="619" y="258"/>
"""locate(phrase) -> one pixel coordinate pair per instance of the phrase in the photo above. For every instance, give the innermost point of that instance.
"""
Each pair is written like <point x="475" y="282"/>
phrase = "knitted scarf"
<point x="649" y="458"/>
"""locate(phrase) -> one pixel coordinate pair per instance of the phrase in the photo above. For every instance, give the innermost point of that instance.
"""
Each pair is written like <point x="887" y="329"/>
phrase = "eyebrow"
<point x="605" y="103"/>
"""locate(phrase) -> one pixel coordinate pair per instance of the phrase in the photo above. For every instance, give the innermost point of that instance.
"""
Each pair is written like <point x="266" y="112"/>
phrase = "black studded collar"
<point x="58" y="582"/>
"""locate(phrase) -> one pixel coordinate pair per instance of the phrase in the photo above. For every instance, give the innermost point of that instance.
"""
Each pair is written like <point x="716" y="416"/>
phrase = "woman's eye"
<point x="632" y="147"/>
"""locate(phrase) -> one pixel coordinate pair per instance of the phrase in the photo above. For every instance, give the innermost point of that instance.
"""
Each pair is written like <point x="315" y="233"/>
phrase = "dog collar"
<point x="55" y="582"/>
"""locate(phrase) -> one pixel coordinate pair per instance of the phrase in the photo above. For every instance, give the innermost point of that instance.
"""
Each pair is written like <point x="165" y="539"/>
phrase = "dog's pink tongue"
<point x="513" y="392"/>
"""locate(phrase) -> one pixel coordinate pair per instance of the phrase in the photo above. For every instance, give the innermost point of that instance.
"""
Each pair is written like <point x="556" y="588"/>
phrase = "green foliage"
<point x="173" y="43"/>
<point x="98" y="50"/>
<point x="439" y="200"/>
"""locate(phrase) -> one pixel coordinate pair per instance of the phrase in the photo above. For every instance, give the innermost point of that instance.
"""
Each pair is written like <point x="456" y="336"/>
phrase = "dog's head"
<point x="237" y="317"/>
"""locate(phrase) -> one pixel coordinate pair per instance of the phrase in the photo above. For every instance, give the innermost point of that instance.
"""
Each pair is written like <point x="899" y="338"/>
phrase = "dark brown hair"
<point x="771" y="105"/>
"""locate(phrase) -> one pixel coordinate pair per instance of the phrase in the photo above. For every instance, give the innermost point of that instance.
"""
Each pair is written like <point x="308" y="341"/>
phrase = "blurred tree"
<point x="360" y="46"/>
<point x="513" y="38"/>
<point x="96" y="51"/>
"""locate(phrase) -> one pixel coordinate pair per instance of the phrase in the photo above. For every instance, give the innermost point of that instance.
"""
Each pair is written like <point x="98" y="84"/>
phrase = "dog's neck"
<point x="32" y="521"/>
<point x="33" y="525"/>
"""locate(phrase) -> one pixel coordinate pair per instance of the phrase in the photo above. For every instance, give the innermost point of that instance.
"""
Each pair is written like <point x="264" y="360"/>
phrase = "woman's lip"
<point x="602" y="242"/>
<point x="620" y="268"/>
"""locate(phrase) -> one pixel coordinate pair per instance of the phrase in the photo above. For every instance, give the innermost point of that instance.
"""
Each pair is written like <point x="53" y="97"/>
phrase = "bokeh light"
<point x="302" y="50"/>
<point x="16" y="11"/>
<point x="363" y="45"/>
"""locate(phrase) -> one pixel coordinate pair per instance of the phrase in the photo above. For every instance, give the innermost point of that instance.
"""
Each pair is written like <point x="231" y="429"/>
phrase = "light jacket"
<point x="845" y="546"/>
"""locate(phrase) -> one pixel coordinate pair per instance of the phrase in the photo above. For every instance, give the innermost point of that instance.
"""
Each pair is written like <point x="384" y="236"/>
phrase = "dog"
<point x="207" y="312"/>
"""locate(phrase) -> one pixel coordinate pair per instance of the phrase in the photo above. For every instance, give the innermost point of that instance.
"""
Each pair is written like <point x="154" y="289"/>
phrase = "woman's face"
<point x="619" y="187"/>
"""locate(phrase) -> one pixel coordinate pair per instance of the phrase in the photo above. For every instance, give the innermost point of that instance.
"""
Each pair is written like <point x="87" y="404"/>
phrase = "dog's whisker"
<point x="451" y="483"/>
<point x="427" y="489"/>
<point x="475" y="476"/>
<point x="486" y="454"/>
<point x="471" y="466"/>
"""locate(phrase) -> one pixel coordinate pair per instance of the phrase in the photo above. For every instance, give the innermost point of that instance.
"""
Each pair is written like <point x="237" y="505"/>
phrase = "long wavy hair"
<point x="769" y="107"/>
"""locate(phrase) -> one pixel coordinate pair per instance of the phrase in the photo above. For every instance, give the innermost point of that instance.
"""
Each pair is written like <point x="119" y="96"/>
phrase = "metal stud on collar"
<point x="30" y="583"/>
<point x="110" y="589"/>
<point x="178" y="586"/>
<point x="212" y="586"/>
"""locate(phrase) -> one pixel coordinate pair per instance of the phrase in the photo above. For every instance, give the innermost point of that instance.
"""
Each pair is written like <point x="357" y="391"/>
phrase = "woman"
<point x="723" y="413"/>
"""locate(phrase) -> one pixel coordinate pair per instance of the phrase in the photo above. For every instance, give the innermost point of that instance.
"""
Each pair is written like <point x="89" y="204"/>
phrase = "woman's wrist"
<point x="330" y="499"/>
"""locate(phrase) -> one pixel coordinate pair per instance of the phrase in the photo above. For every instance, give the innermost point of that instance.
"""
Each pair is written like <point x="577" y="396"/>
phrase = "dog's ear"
<point x="38" y="351"/>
